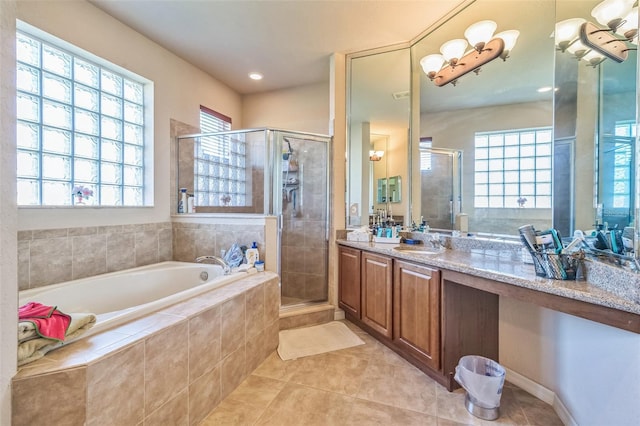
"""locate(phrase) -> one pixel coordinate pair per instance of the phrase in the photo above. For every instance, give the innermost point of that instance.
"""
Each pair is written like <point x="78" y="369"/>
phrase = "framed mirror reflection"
<point x="549" y="133"/>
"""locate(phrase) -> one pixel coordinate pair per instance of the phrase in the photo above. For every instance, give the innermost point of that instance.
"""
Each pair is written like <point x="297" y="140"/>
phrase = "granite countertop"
<point x="503" y="266"/>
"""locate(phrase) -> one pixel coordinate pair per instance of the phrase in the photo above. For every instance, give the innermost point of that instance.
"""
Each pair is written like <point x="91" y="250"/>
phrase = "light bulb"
<point x="567" y="31"/>
<point x="509" y="37"/>
<point x="431" y="64"/>
<point x="593" y="58"/>
<point x="629" y="27"/>
<point x="453" y="50"/>
<point x="578" y="49"/>
<point x="480" y="33"/>
<point x="609" y="12"/>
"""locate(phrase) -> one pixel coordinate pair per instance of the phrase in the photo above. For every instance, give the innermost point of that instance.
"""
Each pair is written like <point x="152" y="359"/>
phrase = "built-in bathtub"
<point x="165" y="355"/>
<point x="119" y="297"/>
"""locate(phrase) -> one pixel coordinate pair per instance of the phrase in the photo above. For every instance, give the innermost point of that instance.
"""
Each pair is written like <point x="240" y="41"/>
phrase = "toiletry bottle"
<point x="190" y="204"/>
<point x="252" y="254"/>
<point x="182" y="204"/>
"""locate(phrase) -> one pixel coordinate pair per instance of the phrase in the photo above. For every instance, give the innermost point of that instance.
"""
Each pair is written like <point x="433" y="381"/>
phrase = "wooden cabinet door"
<point x="416" y="309"/>
<point x="349" y="280"/>
<point x="377" y="292"/>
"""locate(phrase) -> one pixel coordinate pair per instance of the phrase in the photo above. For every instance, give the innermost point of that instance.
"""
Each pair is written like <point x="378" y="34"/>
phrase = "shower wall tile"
<point x="52" y="256"/>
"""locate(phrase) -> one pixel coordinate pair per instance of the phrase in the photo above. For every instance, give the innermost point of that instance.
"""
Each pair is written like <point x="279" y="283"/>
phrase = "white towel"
<point x="31" y="347"/>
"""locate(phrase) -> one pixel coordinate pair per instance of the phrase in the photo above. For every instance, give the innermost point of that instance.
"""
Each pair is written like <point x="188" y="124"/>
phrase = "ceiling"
<point x="289" y="42"/>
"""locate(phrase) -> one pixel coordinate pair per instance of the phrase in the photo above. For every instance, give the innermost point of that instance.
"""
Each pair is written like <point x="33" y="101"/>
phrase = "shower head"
<point x="289" y="144"/>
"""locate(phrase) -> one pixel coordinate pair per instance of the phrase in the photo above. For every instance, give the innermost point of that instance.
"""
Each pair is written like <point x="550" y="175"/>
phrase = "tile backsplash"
<point x="52" y="256"/>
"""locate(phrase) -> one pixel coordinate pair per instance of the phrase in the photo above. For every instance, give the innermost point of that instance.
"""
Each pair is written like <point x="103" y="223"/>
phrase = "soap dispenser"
<point x="252" y="255"/>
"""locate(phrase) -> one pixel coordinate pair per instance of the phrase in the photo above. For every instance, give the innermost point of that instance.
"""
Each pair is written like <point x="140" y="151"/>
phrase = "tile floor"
<point x="363" y="385"/>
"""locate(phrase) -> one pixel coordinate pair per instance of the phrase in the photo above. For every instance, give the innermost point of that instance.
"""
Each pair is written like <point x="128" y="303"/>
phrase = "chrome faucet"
<point x="215" y="260"/>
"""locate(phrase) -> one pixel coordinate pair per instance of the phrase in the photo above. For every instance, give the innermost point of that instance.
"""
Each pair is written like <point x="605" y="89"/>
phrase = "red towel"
<point x="49" y="321"/>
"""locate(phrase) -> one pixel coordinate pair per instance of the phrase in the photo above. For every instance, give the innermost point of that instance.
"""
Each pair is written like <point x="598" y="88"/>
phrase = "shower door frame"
<point x="275" y="138"/>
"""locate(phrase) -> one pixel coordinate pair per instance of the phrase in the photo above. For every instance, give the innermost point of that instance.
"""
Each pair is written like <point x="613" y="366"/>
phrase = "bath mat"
<point x="317" y="339"/>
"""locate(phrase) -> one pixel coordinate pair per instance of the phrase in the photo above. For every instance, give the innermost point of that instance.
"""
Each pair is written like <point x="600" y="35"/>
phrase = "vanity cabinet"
<point x="430" y="317"/>
<point x="376" y="288"/>
<point x="416" y="312"/>
<point x="349" y="279"/>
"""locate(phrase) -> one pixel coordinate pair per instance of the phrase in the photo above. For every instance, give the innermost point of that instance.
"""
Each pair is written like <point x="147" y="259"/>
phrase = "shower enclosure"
<point x="271" y="172"/>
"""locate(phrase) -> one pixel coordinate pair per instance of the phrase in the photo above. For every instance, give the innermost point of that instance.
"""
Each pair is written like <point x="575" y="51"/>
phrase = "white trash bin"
<point x="483" y="379"/>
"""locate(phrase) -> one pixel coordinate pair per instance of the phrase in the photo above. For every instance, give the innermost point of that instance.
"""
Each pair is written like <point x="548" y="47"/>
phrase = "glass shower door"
<point x="301" y="199"/>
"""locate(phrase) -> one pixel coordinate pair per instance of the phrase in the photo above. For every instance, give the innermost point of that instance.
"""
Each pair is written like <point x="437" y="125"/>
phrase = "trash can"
<point x="483" y="379"/>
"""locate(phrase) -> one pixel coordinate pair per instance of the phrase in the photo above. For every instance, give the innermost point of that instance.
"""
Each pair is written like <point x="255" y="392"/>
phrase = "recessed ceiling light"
<point x="255" y="76"/>
<point x="546" y="89"/>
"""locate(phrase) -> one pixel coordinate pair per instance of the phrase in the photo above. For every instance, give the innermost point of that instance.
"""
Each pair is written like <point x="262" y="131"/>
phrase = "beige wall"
<point x="179" y="90"/>
<point x="303" y="108"/>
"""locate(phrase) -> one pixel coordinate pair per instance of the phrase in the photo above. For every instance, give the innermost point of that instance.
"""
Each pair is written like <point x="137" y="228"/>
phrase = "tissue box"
<point x="363" y="237"/>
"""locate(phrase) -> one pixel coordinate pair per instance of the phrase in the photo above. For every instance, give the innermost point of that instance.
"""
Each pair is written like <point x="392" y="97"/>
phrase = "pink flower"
<point x="82" y="191"/>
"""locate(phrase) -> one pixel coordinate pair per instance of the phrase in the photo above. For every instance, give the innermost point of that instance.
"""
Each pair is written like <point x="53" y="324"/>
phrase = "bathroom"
<point x="540" y="332"/>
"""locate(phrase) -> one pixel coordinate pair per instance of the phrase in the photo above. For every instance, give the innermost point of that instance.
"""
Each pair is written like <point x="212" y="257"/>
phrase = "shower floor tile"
<point x="380" y="388"/>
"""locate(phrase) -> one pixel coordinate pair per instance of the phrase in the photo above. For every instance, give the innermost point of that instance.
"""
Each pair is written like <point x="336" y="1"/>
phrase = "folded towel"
<point x="49" y="322"/>
<point x="33" y="347"/>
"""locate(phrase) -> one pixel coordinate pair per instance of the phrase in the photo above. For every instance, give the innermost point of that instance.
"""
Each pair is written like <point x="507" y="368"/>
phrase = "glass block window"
<point x="220" y="163"/>
<point x="624" y="137"/>
<point x="513" y="168"/>
<point x="80" y="130"/>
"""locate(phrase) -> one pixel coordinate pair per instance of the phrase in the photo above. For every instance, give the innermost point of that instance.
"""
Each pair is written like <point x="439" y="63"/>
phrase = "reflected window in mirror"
<point x="425" y="146"/>
<point x="513" y="168"/>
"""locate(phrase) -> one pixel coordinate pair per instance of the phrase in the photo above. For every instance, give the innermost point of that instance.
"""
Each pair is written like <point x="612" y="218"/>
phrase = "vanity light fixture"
<point x="587" y="41"/>
<point x="376" y="155"/>
<point x="453" y="62"/>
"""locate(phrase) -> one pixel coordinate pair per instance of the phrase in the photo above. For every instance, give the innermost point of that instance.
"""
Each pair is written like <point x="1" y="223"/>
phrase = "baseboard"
<point x="542" y="394"/>
<point x="563" y="412"/>
<point x="338" y="315"/>
<point x="530" y="386"/>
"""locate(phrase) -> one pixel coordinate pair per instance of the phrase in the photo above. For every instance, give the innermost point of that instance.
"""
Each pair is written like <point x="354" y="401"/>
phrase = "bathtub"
<point x="119" y="297"/>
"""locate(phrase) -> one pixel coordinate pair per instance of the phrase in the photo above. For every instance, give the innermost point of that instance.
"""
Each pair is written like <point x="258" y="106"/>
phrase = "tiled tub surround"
<point x="170" y="367"/>
<point x="52" y="256"/>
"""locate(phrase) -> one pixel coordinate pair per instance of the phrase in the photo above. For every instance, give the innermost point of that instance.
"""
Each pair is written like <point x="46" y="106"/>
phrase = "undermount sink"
<point x="421" y="250"/>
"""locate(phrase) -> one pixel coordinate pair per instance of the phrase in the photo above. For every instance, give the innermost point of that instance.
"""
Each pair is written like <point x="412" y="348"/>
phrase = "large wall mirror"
<point x="378" y="129"/>
<point x="544" y="138"/>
